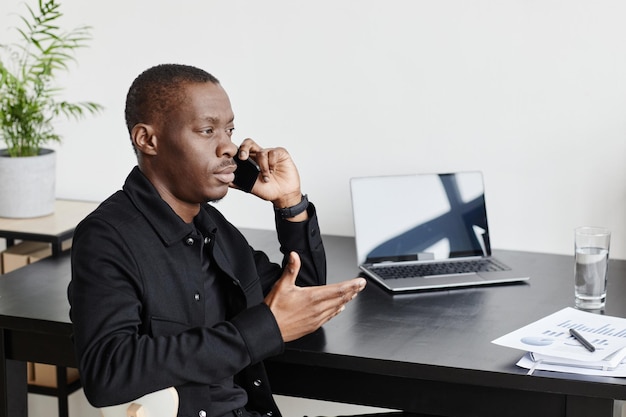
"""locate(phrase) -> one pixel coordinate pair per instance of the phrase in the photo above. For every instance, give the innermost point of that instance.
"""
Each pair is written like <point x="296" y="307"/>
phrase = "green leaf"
<point x="28" y="105"/>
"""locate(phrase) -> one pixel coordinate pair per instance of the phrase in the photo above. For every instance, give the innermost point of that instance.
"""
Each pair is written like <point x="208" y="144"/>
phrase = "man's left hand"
<point x="279" y="181"/>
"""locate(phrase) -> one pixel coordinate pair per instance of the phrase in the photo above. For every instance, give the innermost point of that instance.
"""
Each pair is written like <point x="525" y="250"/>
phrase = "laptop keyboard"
<point x="437" y="268"/>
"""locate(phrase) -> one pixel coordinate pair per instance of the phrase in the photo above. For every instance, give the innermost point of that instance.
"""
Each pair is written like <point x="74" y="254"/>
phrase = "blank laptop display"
<point x="425" y="231"/>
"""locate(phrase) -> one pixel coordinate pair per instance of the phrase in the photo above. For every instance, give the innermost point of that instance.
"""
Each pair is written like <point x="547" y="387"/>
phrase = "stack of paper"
<point x="550" y="346"/>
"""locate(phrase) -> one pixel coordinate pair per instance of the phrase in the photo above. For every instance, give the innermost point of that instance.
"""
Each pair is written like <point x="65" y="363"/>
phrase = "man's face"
<point x="194" y="145"/>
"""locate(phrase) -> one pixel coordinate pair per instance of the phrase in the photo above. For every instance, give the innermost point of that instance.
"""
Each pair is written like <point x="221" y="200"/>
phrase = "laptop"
<point x="425" y="231"/>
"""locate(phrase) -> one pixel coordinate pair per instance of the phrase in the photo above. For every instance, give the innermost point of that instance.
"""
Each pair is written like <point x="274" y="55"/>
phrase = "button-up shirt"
<point x="143" y="305"/>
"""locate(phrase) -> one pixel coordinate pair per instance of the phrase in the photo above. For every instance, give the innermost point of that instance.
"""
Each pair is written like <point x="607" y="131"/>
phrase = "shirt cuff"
<point x="290" y="234"/>
<point x="260" y="332"/>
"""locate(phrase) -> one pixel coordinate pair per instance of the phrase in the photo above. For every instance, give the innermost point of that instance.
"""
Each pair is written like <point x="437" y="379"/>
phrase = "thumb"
<point x="292" y="268"/>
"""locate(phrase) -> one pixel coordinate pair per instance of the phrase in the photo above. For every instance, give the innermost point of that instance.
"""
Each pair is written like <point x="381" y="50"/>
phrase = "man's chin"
<point x="216" y="196"/>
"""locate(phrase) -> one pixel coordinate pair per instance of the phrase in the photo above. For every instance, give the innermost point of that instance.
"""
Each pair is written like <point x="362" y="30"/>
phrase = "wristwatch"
<point x="293" y="211"/>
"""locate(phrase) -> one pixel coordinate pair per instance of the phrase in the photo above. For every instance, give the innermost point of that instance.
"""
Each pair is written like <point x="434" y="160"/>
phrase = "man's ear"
<point x="144" y="138"/>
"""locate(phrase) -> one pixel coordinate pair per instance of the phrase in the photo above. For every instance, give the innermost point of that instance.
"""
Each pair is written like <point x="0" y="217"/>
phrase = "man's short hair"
<point x="156" y="90"/>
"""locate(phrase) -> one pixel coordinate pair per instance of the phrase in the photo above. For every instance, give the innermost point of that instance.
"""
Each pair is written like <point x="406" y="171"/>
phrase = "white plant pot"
<point x="27" y="184"/>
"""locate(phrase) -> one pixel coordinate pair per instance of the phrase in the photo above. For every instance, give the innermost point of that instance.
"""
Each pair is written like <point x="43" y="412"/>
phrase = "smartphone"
<point x="246" y="173"/>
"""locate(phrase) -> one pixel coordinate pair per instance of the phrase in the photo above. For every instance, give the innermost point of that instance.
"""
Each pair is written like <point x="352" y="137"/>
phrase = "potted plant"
<point x="30" y="103"/>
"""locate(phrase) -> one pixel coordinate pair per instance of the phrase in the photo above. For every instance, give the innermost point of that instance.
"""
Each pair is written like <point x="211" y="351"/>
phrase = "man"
<point x="164" y="291"/>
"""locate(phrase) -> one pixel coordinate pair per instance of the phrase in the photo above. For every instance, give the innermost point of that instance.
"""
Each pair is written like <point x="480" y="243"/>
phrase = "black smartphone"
<point x="246" y="174"/>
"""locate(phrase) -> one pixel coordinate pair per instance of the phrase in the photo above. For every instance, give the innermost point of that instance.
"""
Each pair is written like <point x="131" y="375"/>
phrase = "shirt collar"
<point x="165" y="222"/>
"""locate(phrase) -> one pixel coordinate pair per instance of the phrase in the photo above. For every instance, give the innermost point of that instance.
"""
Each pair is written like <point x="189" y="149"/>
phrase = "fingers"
<point x="330" y="300"/>
<point x="267" y="159"/>
<point x="262" y="159"/>
<point x="346" y="290"/>
<point x="247" y="147"/>
<point x="335" y="299"/>
<point x="302" y="310"/>
<point x="250" y="148"/>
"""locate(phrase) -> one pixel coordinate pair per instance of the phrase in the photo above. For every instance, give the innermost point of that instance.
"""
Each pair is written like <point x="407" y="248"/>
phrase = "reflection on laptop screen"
<point x="414" y="217"/>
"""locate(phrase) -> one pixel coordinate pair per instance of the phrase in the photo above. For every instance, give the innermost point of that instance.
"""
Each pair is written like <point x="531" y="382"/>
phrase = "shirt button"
<point x="207" y="240"/>
<point x="189" y="241"/>
<point x="269" y="414"/>
<point x="196" y="296"/>
<point x="239" y="412"/>
<point x="257" y="382"/>
<point x="202" y="413"/>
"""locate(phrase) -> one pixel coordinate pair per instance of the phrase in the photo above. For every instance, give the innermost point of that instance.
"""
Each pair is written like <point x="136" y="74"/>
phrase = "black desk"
<point x="427" y="352"/>
<point x="56" y="229"/>
<point x="432" y="353"/>
<point x="34" y="326"/>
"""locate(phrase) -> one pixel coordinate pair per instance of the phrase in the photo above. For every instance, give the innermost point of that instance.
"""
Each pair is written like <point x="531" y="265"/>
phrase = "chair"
<point x="163" y="403"/>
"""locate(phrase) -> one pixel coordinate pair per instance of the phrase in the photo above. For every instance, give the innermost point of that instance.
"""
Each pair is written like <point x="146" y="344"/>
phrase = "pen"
<point x="582" y="340"/>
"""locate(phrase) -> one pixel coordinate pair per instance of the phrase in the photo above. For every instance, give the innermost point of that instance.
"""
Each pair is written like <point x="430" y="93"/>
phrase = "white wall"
<point x="533" y="93"/>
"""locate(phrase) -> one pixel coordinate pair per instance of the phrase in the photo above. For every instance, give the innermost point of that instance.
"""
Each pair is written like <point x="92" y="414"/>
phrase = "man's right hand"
<point x="302" y="310"/>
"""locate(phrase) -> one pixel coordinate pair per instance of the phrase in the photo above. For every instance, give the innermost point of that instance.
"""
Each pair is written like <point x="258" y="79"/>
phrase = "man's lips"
<point x="226" y="174"/>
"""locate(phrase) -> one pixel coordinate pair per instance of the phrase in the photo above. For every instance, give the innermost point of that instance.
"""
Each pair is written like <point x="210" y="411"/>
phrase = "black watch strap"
<point x="293" y="211"/>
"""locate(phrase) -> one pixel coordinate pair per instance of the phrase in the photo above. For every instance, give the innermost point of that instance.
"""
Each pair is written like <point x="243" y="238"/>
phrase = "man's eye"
<point x="208" y="130"/>
<point x="230" y="130"/>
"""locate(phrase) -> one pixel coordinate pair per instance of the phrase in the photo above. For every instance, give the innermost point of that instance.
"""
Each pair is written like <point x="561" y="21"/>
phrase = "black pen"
<point x="582" y="340"/>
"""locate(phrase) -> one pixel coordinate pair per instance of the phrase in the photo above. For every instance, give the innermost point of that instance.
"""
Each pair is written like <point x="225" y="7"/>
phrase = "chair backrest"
<point x="162" y="403"/>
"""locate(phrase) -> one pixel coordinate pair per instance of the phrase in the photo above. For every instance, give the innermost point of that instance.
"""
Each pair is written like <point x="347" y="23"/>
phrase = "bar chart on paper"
<point x="598" y="336"/>
<point x="606" y="329"/>
<point x="550" y="335"/>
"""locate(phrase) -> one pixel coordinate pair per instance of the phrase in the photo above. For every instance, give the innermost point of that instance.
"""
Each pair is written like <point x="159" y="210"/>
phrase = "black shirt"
<point x="139" y="306"/>
<point x="226" y="395"/>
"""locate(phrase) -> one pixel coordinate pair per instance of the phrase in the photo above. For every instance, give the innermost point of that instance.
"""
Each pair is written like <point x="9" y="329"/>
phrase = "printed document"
<point x="551" y="347"/>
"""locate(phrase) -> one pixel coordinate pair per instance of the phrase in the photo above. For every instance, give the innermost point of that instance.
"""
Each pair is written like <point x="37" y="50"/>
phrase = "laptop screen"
<point x="415" y="217"/>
